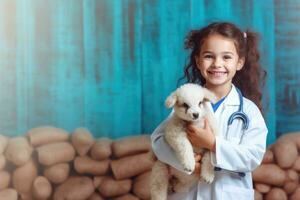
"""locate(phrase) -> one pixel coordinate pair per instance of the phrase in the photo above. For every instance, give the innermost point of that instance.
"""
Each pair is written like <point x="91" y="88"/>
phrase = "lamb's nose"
<point x="195" y="115"/>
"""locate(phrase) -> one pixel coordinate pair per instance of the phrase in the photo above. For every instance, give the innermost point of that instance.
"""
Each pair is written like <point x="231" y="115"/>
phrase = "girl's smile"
<point x="216" y="73"/>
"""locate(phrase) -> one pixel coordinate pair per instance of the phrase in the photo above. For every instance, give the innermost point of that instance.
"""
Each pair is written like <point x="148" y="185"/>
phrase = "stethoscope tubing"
<point x="238" y="115"/>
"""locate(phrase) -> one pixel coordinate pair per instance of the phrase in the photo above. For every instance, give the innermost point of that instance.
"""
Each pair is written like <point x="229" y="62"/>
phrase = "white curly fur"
<point x="187" y="107"/>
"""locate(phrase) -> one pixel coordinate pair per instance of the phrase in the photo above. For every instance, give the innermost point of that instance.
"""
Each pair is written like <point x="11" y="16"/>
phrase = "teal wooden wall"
<point x="108" y="65"/>
<point x="287" y="66"/>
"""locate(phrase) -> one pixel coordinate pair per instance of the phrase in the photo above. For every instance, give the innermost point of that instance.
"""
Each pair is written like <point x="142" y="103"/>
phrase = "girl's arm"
<point x="162" y="150"/>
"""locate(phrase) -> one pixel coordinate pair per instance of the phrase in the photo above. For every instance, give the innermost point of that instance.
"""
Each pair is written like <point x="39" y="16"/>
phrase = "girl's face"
<point x="218" y="61"/>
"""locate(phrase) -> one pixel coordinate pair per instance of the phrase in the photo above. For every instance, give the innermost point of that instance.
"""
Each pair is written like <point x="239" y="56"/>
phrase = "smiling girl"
<point x="225" y="60"/>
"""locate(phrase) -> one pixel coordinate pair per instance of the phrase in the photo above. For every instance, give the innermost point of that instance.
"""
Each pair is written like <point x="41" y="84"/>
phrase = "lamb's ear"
<point x="171" y="100"/>
<point x="209" y="96"/>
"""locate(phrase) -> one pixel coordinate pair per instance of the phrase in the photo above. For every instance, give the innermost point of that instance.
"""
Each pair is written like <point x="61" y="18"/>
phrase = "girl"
<point x="223" y="59"/>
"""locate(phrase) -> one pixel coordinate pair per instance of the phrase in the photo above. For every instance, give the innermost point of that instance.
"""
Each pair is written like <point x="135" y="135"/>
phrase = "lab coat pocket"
<point x="234" y="192"/>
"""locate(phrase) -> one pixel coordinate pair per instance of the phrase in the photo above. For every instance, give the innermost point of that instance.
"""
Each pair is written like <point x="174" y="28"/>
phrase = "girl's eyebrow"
<point x="206" y="52"/>
<point x="228" y="52"/>
<point x="225" y="52"/>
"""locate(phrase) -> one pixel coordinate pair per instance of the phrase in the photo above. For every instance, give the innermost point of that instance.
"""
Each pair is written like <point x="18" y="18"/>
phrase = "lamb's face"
<point x="188" y="101"/>
<point x="189" y="106"/>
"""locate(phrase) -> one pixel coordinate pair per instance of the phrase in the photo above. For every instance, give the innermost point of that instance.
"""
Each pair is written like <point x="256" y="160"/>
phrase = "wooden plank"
<point x="165" y="25"/>
<point x="8" y="68"/>
<point x="57" y="73"/>
<point x="287" y="66"/>
<point x="264" y="23"/>
<point x="218" y="10"/>
<point x="24" y="64"/>
<point x="112" y="63"/>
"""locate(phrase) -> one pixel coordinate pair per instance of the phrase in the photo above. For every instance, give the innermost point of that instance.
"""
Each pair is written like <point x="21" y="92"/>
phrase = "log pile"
<point x="49" y="163"/>
<point x="277" y="178"/>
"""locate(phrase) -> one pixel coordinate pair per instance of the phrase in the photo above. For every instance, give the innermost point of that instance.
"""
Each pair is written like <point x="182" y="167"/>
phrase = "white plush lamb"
<point x="191" y="103"/>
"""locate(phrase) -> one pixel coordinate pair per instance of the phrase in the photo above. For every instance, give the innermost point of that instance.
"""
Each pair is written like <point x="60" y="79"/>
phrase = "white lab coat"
<point x="235" y="151"/>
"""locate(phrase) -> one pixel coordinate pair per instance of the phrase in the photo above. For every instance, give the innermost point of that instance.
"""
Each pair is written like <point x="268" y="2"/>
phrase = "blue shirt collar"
<point x="216" y="105"/>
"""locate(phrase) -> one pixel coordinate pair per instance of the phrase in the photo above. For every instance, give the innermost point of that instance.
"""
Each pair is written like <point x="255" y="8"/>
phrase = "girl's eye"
<point x="227" y="57"/>
<point x="185" y="105"/>
<point x="208" y="56"/>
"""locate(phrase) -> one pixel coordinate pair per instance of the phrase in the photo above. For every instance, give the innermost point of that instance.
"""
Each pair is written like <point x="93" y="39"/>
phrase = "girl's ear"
<point x="241" y="63"/>
<point x="171" y="100"/>
<point x="209" y="96"/>
<point x="196" y="60"/>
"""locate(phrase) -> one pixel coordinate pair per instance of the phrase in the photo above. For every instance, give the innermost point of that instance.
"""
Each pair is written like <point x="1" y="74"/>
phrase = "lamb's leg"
<point x="159" y="181"/>
<point x="207" y="169"/>
<point x="183" y="149"/>
<point x="184" y="181"/>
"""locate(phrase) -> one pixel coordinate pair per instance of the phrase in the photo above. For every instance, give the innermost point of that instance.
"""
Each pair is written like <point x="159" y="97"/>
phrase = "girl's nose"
<point x="218" y="62"/>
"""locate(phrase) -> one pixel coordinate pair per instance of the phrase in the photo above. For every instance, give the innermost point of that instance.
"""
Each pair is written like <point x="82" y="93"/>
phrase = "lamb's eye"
<point x="185" y="105"/>
<point x="200" y="103"/>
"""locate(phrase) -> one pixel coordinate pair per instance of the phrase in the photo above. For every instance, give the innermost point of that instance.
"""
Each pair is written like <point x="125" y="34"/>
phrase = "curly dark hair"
<point x="250" y="79"/>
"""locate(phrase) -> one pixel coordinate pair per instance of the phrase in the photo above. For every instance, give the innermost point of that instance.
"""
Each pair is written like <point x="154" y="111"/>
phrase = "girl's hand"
<point x="201" y="137"/>
<point x="197" y="170"/>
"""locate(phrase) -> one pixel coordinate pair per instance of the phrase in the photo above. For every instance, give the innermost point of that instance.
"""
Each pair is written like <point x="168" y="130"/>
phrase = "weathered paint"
<point x="287" y="66"/>
<point x="109" y="65"/>
<point x="8" y="68"/>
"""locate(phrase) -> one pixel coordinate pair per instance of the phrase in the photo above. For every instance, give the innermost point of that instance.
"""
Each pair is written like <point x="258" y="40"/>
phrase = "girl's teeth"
<point x="217" y="73"/>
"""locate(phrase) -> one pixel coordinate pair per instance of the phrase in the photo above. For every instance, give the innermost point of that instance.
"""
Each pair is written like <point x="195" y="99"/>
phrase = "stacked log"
<point x="277" y="178"/>
<point x="49" y="163"/>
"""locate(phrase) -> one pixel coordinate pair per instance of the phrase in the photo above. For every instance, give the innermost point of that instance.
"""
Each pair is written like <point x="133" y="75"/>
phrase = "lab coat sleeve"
<point x="162" y="150"/>
<point x="248" y="154"/>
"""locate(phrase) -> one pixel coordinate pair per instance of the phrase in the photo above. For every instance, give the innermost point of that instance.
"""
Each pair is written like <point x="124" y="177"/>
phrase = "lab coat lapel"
<point x="232" y="98"/>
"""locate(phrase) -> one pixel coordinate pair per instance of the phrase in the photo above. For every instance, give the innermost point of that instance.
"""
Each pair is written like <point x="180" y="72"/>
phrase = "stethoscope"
<point x="239" y="114"/>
